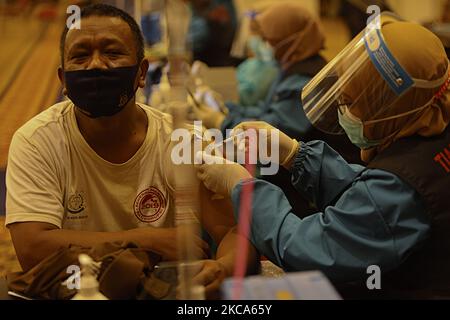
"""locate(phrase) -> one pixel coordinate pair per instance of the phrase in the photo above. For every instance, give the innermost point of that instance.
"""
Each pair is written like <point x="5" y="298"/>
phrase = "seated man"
<point x="95" y="169"/>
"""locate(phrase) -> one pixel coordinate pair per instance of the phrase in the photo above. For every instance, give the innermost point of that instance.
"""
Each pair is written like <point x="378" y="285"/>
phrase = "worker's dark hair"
<point x="104" y="10"/>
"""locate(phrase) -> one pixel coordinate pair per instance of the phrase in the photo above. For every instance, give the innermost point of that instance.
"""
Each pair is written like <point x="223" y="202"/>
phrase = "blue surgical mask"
<point x="354" y="128"/>
<point x="261" y="49"/>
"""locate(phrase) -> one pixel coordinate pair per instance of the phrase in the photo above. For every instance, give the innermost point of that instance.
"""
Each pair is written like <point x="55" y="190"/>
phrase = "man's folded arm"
<point x="34" y="241"/>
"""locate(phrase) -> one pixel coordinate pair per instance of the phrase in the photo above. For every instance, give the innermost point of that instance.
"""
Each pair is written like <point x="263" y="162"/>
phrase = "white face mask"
<point x="354" y="128"/>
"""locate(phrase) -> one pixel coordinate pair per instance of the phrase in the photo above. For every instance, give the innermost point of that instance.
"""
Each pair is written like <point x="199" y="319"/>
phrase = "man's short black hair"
<point x="104" y="10"/>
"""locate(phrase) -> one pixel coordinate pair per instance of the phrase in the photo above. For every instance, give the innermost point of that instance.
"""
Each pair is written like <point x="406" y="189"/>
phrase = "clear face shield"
<point x="364" y="74"/>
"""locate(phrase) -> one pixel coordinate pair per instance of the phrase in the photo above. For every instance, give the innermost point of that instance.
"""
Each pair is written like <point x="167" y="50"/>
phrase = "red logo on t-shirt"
<point x="150" y="205"/>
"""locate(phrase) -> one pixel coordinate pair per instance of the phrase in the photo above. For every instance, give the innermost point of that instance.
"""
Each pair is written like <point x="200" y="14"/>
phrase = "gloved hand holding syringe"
<point x="228" y="149"/>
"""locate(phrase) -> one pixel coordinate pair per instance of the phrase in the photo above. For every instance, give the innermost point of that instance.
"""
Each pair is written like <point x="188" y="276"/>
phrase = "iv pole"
<point x="186" y="194"/>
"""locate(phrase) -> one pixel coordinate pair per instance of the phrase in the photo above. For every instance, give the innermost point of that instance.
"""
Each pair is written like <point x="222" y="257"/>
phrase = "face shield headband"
<point x="343" y="82"/>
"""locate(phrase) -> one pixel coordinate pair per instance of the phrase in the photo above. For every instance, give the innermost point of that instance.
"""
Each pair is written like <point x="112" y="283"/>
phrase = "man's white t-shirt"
<point x="54" y="176"/>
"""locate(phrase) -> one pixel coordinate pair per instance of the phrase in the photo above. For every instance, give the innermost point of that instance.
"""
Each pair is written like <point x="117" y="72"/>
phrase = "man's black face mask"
<point x="101" y="92"/>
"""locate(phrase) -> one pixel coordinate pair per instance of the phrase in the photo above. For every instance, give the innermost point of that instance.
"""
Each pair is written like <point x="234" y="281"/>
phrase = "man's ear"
<point x="61" y="79"/>
<point x="143" y="72"/>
